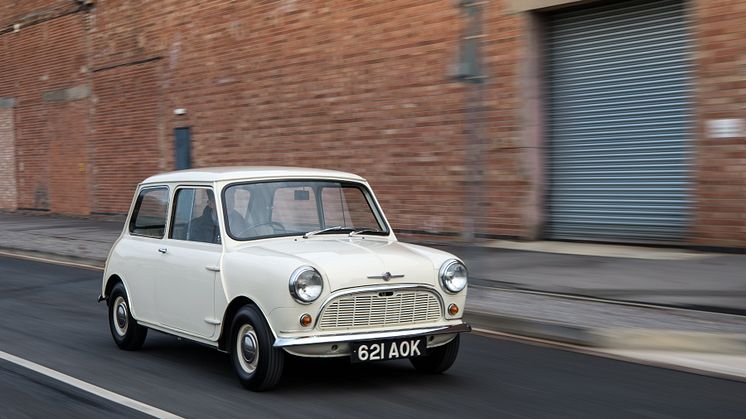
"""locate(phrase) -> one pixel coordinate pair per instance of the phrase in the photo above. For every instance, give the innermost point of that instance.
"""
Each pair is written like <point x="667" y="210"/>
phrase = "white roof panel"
<point x="218" y="174"/>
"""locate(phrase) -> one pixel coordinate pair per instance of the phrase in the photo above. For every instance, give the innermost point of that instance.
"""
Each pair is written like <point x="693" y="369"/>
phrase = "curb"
<point x="617" y="339"/>
<point x="53" y="258"/>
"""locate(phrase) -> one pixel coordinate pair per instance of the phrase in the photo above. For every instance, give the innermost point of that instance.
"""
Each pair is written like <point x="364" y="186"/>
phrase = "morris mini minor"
<point x="262" y="262"/>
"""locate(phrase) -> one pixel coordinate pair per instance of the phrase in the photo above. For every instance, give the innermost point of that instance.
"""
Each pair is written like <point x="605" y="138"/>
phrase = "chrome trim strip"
<point x="353" y="337"/>
<point x="385" y="276"/>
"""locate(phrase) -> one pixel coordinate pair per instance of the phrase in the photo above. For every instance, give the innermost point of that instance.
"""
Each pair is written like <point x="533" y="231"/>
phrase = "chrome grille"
<point x="387" y="308"/>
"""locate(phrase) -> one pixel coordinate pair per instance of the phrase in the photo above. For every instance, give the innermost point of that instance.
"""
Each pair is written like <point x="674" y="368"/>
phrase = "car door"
<point x="185" y="289"/>
<point x="140" y="247"/>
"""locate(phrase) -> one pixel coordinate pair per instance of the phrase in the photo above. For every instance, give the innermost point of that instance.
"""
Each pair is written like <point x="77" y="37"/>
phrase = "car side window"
<point x="149" y="215"/>
<point x="195" y="217"/>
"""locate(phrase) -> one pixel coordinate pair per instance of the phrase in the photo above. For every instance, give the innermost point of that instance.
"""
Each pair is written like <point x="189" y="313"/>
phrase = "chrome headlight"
<point x="453" y="276"/>
<point x="306" y="284"/>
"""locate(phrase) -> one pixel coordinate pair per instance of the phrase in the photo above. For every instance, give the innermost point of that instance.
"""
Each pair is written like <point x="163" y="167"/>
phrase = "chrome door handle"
<point x="213" y="268"/>
<point x="163" y="250"/>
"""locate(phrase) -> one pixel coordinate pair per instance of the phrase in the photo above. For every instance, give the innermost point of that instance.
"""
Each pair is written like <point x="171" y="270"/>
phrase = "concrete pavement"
<point x="83" y="240"/>
<point x="588" y="301"/>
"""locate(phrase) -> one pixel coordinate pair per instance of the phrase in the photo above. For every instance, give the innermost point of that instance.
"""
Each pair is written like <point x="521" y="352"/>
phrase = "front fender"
<point x="262" y="277"/>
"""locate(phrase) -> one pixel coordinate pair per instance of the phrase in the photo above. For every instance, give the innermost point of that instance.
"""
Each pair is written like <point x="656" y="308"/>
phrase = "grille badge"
<point x="386" y="276"/>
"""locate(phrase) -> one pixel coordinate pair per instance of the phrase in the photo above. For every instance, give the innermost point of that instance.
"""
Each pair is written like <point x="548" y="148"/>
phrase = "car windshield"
<point x="284" y="208"/>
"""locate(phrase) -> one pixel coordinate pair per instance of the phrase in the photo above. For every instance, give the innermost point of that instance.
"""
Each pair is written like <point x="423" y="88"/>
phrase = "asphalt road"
<point x="49" y="315"/>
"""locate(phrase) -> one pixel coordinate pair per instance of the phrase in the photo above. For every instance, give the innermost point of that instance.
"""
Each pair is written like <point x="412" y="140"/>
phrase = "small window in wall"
<point x="195" y="217"/>
<point x="149" y="215"/>
<point x="183" y="148"/>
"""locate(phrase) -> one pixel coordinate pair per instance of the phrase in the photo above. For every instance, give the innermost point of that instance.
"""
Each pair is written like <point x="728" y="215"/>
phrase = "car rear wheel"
<point x="127" y="334"/>
<point x="438" y="359"/>
<point x="257" y="363"/>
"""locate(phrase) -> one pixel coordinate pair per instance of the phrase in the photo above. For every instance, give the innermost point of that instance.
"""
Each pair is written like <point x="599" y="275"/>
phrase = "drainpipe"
<point x="469" y="71"/>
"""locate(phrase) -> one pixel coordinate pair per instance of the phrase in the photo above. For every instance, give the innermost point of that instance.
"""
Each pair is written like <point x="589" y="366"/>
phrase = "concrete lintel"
<point x="67" y="95"/>
<point x="518" y="6"/>
<point x="7" y="102"/>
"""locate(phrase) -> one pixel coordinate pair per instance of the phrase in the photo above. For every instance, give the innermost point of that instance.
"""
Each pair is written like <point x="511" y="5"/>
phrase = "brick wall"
<point x="720" y="30"/>
<point x="124" y="144"/>
<point x="27" y="12"/>
<point x="7" y="159"/>
<point x="41" y="63"/>
<point x="341" y="85"/>
<point x="360" y="86"/>
<point x="356" y="86"/>
<point x="511" y="175"/>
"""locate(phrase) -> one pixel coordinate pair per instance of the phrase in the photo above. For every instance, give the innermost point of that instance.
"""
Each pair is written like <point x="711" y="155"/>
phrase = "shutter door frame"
<point x="620" y="122"/>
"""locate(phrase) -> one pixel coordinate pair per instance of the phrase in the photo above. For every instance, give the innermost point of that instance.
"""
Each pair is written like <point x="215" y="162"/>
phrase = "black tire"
<point x="263" y="370"/>
<point x="125" y="330"/>
<point x="439" y="359"/>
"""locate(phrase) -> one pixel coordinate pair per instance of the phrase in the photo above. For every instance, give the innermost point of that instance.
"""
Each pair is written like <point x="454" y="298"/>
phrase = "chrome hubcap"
<point x="248" y="347"/>
<point x="120" y="316"/>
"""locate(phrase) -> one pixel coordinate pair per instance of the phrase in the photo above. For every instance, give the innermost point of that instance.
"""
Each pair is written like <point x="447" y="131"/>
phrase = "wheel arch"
<point x="111" y="281"/>
<point x="230" y="312"/>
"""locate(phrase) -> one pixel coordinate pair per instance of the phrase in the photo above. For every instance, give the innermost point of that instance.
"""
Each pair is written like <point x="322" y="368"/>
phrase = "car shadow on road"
<point x="339" y="374"/>
<point x="331" y="374"/>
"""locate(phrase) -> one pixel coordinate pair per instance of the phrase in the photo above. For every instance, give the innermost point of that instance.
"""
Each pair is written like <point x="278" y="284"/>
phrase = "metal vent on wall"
<point x="620" y="122"/>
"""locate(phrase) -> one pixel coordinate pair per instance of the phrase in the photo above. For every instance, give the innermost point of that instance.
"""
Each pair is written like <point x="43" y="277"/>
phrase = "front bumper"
<point x="369" y="336"/>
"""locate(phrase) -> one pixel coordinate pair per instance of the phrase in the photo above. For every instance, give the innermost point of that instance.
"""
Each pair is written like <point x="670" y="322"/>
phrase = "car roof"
<point x="218" y="174"/>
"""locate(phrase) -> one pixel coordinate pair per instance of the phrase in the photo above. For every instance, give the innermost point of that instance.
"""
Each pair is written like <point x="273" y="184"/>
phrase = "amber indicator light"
<point x="305" y="320"/>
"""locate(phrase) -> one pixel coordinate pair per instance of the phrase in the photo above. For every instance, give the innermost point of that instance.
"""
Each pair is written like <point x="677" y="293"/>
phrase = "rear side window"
<point x="149" y="215"/>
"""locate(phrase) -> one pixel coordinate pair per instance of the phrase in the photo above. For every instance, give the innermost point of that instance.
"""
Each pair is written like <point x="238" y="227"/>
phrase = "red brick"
<point x="355" y="86"/>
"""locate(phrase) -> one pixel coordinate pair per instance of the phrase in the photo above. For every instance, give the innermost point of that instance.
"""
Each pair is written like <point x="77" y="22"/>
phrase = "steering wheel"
<point x="277" y="227"/>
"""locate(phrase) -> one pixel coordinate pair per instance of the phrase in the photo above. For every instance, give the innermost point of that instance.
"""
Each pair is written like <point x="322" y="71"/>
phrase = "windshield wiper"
<point x="363" y="231"/>
<point x="323" y="230"/>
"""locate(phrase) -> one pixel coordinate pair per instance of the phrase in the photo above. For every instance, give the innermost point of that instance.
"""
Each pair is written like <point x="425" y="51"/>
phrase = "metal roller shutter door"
<point x="620" y="122"/>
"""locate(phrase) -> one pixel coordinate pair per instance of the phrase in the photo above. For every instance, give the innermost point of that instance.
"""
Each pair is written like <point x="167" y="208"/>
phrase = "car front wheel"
<point x="127" y="334"/>
<point x="438" y="359"/>
<point x="257" y="363"/>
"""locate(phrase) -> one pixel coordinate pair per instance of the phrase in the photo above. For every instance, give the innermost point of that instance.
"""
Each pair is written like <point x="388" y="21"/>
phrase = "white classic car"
<point x="261" y="262"/>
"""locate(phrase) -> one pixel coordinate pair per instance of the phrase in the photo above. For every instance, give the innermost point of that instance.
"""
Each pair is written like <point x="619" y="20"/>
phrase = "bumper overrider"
<point x="339" y="344"/>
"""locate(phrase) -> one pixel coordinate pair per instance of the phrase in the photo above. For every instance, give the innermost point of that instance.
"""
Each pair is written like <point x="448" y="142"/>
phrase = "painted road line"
<point x="88" y="387"/>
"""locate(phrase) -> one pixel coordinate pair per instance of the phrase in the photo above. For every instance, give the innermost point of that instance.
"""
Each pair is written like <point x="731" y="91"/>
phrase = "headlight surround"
<point x="306" y="284"/>
<point x="453" y="276"/>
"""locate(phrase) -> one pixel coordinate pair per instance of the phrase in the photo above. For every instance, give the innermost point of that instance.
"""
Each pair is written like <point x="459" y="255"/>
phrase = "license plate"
<point x="388" y="349"/>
